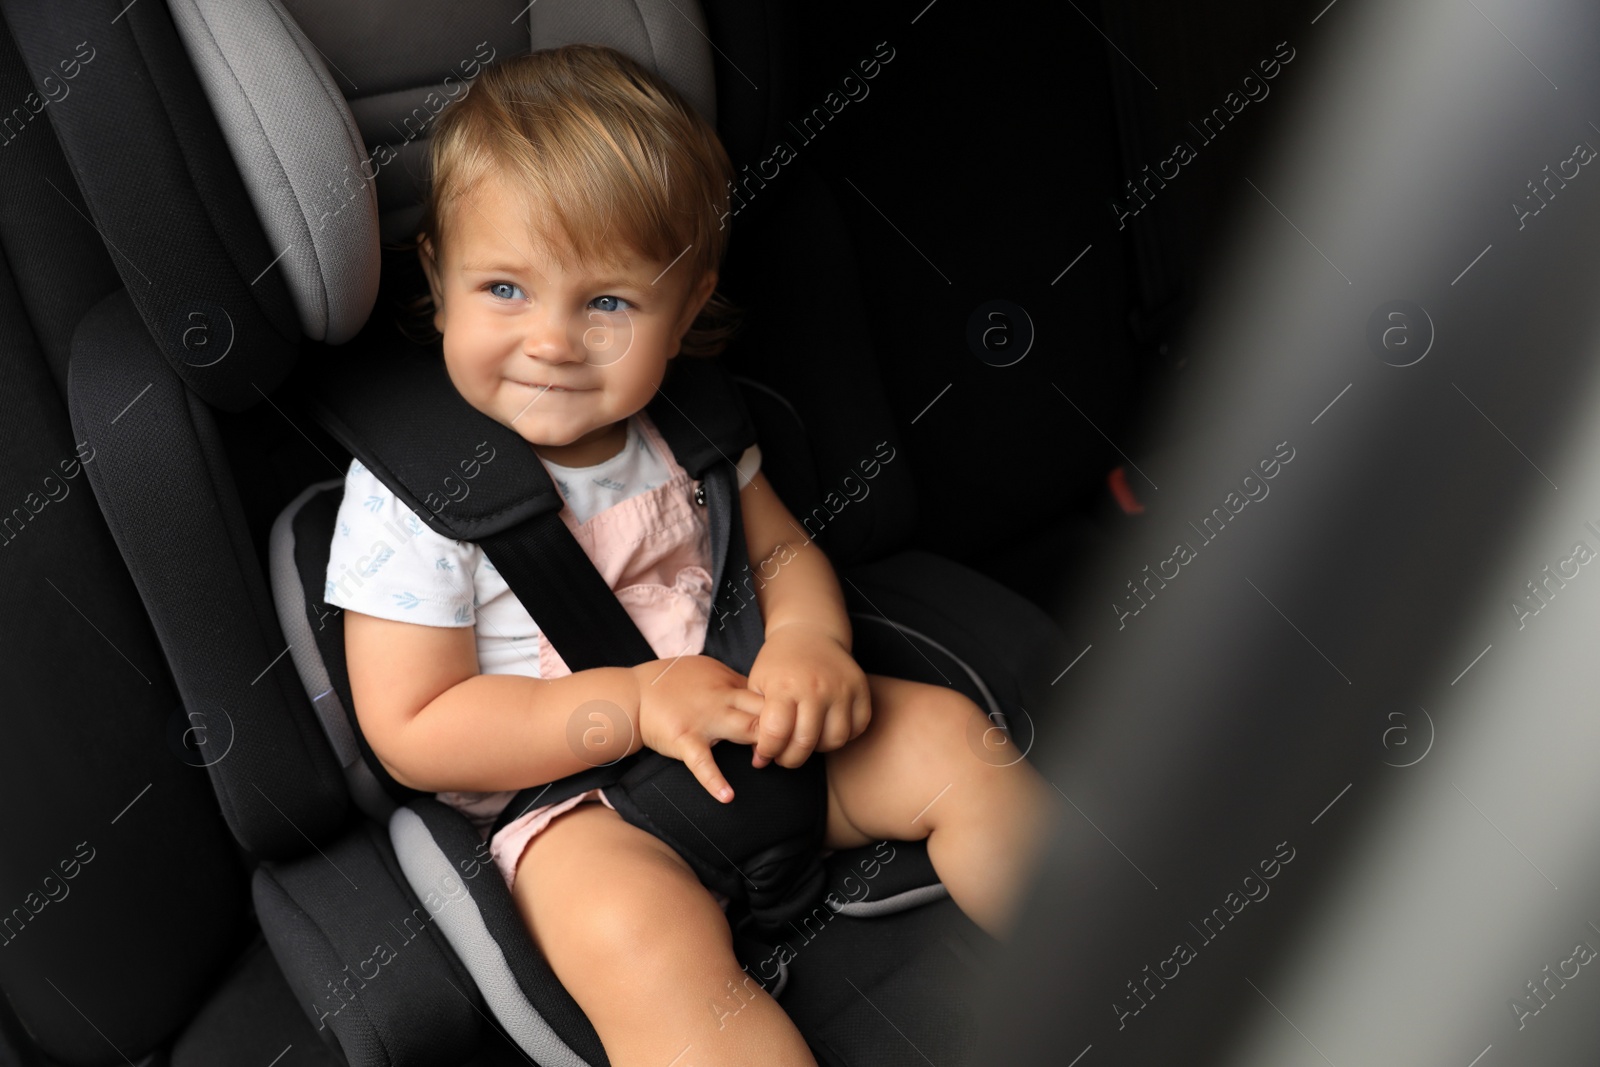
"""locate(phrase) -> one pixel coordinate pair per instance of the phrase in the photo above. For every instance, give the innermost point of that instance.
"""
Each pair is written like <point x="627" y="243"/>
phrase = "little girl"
<point x="571" y="243"/>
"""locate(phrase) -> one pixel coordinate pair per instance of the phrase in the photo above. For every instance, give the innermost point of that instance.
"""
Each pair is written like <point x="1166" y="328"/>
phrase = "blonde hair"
<point x="604" y="151"/>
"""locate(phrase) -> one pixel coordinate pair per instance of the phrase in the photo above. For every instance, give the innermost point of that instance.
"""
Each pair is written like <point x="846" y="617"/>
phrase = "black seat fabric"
<point x="114" y="854"/>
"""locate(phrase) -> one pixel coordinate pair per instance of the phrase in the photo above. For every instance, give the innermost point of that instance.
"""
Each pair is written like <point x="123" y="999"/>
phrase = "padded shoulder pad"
<point x="390" y="402"/>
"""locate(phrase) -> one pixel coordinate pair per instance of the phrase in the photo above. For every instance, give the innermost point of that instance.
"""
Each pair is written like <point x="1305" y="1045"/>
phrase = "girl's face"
<point x="561" y="356"/>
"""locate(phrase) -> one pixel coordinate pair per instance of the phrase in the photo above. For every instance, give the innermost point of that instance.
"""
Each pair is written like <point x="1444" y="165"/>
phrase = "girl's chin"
<point x="541" y="434"/>
<point x="545" y="431"/>
<point x="522" y="416"/>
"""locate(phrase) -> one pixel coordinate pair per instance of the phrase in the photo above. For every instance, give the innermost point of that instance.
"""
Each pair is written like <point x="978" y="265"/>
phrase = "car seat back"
<point x="114" y="852"/>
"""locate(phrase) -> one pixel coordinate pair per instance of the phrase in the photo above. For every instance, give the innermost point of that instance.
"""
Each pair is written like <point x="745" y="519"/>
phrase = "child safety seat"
<point x="764" y="849"/>
<point x="231" y="181"/>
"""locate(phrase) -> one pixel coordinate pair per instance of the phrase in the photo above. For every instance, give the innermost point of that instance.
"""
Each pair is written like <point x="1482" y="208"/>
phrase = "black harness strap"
<point x="701" y="414"/>
<point x="549" y="573"/>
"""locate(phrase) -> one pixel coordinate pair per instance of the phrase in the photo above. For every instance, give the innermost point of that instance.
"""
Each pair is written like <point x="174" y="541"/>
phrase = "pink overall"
<point x="654" y="551"/>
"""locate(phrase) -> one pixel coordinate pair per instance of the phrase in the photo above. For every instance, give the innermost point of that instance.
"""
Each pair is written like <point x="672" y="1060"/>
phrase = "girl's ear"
<point x="699" y="293"/>
<point x="430" y="268"/>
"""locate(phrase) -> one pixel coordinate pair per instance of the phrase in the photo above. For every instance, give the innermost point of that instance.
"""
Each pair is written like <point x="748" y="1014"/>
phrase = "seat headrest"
<point x="327" y="110"/>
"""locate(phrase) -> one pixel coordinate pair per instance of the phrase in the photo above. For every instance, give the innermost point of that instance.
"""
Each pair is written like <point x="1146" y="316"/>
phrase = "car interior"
<point x="1025" y="299"/>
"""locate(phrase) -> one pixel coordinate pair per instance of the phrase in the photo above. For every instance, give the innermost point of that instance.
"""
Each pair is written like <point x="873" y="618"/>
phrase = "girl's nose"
<point x="550" y="338"/>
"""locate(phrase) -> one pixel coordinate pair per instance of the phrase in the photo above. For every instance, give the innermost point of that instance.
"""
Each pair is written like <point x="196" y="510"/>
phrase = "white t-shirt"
<point x="385" y="561"/>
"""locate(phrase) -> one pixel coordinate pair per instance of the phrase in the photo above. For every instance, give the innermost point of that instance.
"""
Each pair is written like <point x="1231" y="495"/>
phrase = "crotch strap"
<point x="762" y="849"/>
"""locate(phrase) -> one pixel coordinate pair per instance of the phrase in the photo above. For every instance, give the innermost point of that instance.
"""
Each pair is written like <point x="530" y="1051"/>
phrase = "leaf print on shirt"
<point x="407" y="600"/>
<point x="610" y="483"/>
<point x="327" y="591"/>
<point x="344" y="529"/>
<point x="566" y="490"/>
<point x="644" y="446"/>
<point x="356" y="467"/>
<point x="442" y="564"/>
<point x="377" y="561"/>
<point x="461" y="614"/>
<point x="374" y="503"/>
<point x="414" y="525"/>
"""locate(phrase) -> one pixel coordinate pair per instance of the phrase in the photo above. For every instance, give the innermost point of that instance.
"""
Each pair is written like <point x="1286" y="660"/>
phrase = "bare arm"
<point x="437" y="725"/>
<point x="795" y="582"/>
<point x="815" y="694"/>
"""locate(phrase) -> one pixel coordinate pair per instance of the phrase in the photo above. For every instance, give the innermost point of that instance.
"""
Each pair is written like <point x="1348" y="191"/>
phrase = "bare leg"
<point x="929" y="766"/>
<point x="645" y="950"/>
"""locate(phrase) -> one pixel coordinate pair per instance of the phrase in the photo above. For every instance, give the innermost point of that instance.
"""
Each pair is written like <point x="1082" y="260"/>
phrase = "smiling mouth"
<point x="549" y="388"/>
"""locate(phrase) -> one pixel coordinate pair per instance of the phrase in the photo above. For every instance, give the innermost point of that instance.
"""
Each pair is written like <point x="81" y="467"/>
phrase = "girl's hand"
<point x="816" y="695"/>
<point x="689" y="703"/>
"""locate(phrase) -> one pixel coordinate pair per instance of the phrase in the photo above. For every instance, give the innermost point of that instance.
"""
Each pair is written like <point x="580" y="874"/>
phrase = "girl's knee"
<point x="925" y="705"/>
<point x="961" y="743"/>
<point x="943" y="721"/>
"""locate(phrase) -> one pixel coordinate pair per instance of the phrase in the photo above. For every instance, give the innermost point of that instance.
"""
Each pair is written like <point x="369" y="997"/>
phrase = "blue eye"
<point x="496" y="287"/>
<point x="616" y="301"/>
